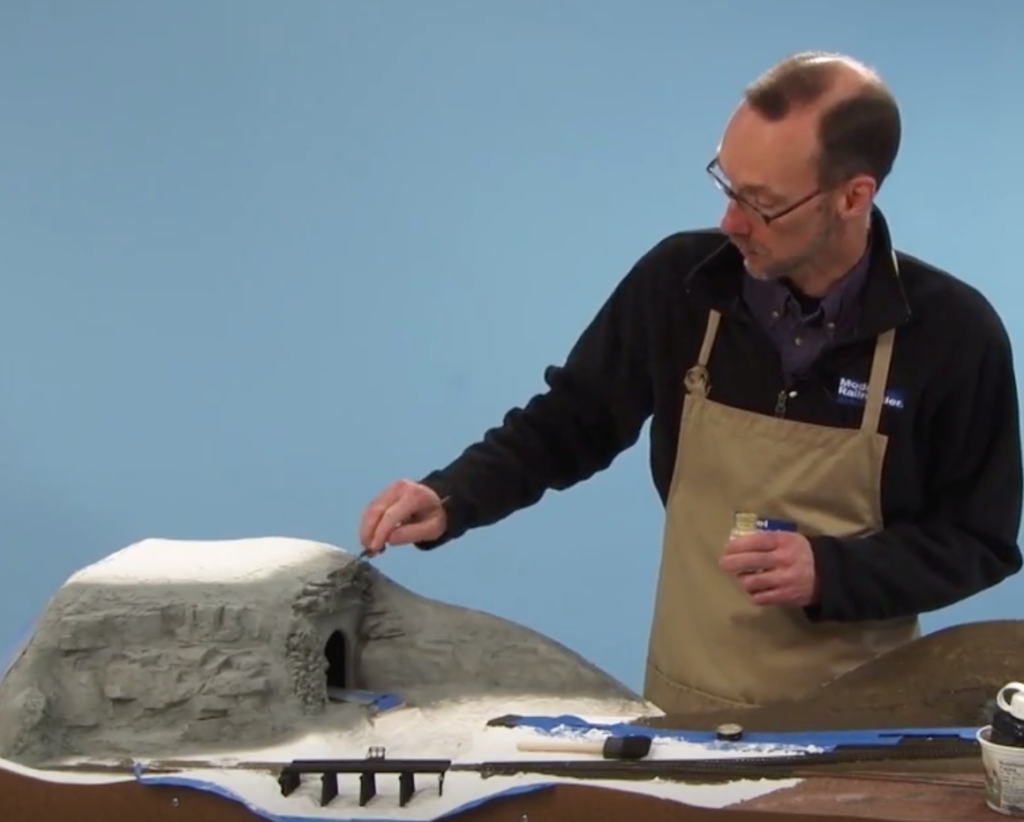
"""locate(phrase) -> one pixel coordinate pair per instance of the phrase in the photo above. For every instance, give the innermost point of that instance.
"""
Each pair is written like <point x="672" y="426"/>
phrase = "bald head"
<point x="856" y="118"/>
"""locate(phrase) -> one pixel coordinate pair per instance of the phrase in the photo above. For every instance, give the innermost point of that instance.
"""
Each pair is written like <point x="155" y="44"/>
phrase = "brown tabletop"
<point x="828" y="799"/>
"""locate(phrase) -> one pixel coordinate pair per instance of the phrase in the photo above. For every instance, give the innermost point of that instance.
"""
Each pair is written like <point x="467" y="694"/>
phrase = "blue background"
<point x="259" y="259"/>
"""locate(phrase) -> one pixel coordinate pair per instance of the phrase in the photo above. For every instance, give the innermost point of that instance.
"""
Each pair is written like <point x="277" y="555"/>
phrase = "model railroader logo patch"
<point x="851" y="392"/>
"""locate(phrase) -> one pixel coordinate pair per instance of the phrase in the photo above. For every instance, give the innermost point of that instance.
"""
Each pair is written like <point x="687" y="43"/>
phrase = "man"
<point x="860" y="402"/>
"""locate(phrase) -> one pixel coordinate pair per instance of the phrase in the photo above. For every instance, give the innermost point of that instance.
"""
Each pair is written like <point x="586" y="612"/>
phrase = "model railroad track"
<point x="770" y="767"/>
<point x="836" y="762"/>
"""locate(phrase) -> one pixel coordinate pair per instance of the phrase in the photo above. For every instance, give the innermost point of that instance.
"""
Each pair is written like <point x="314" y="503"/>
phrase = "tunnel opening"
<point x="336" y="652"/>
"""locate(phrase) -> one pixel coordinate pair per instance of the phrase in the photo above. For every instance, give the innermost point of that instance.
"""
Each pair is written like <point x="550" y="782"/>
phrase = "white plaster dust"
<point x="211" y="654"/>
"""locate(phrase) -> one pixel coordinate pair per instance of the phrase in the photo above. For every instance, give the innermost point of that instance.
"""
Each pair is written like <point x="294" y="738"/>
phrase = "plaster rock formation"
<point x="167" y="647"/>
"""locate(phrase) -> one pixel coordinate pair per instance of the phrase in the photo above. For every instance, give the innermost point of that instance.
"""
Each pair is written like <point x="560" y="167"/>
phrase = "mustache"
<point x="742" y="245"/>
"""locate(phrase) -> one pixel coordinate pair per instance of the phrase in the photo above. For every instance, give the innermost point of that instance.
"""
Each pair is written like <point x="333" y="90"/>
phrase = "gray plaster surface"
<point x="170" y="647"/>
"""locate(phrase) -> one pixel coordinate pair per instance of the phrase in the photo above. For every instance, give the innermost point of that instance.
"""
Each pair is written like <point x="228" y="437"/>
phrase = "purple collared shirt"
<point x="801" y="331"/>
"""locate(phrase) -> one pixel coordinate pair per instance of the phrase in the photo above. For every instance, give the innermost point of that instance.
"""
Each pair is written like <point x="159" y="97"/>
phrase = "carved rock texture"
<point x="136" y="656"/>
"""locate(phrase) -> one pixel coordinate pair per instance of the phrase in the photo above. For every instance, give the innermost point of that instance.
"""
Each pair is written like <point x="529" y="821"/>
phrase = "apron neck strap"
<point x="709" y="339"/>
<point x="877" y="381"/>
<point x="697" y="379"/>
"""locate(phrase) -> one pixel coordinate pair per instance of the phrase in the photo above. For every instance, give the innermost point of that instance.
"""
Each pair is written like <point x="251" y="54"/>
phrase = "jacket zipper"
<point x="744" y="315"/>
<point x="780" y="403"/>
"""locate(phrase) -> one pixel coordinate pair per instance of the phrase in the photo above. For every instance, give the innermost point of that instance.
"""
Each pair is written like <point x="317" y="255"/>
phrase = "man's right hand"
<point x="403" y="513"/>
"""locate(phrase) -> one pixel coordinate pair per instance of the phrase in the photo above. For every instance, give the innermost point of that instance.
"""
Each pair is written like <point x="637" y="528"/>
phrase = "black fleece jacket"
<point x="952" y="478"/>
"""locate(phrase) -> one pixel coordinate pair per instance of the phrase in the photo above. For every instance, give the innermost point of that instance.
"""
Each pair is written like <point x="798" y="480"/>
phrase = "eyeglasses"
<point x="714" y="171"/>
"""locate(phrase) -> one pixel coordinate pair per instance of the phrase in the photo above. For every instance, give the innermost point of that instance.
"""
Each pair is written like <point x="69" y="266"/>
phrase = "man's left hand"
<point x="773" y="567"/>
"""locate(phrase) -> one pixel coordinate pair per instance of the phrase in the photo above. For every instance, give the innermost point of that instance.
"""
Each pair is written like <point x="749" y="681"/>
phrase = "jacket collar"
<point x="717" y="280"/>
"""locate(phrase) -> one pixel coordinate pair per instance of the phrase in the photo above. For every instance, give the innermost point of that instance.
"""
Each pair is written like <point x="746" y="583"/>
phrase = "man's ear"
<point x="856" y="198"/>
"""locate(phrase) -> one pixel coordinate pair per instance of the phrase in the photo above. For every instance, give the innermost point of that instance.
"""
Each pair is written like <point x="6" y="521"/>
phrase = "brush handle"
<point x="560" y="746"/>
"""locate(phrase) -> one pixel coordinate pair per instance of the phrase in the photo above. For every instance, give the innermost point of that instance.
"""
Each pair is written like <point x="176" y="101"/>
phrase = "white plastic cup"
<point x="1004" y="775"/>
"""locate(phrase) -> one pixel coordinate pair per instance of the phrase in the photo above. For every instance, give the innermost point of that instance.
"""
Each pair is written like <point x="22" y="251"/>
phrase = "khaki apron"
<point x="710" y="647"/>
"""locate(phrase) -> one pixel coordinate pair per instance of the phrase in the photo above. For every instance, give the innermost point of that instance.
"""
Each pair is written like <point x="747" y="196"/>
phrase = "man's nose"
<point x="735" y="220"/>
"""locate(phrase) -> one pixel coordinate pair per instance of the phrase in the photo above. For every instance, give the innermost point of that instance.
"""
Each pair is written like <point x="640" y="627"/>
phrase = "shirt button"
<point x="798" y="341"/>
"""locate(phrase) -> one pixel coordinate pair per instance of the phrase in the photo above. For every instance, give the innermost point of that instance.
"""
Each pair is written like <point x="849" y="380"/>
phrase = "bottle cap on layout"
<point x="730" y="731"/>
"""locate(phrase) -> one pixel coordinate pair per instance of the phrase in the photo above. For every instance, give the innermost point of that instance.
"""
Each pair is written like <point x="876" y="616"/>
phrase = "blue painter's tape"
<point x="373" y="699"/>
<point x="385" y="702"/>
<point x="219" y="790"/>
<point x="825" y="739"/>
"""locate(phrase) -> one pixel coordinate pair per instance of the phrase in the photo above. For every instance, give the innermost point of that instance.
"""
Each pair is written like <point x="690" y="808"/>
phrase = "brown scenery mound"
<point x="943" y="679"/>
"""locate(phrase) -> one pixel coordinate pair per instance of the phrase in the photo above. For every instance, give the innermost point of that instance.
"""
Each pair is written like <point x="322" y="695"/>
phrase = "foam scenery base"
<point x="205" y="669"/>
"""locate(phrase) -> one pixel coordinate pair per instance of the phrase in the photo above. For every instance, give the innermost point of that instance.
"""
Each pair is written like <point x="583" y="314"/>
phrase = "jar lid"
<point x="1014" y="706"/>
<point x="729" y="730"/>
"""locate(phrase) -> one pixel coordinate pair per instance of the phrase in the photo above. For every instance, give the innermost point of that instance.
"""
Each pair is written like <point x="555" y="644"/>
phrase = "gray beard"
<point x="804" y="261"/>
